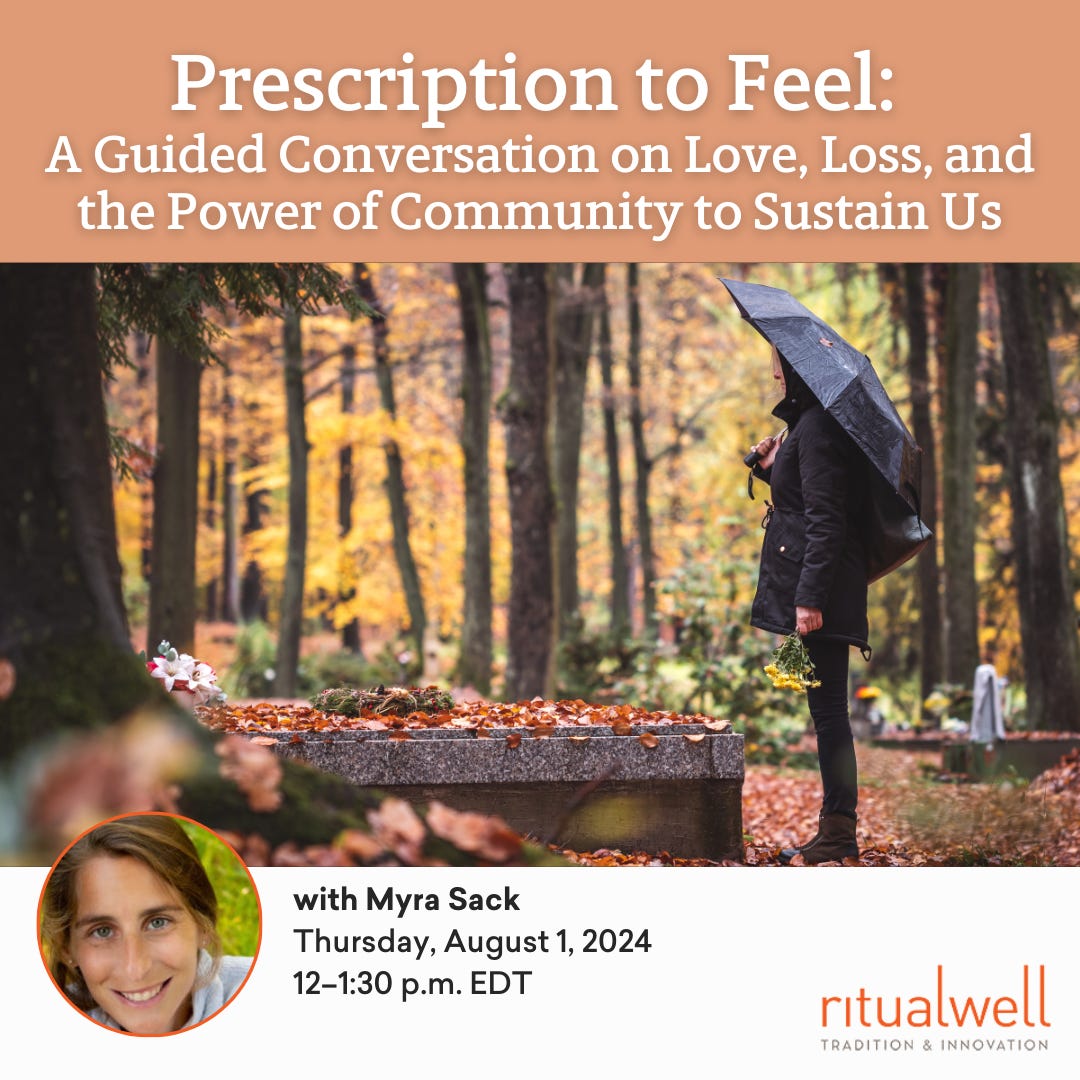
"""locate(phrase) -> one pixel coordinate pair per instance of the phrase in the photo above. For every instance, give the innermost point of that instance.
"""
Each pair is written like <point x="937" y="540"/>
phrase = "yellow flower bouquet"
<point x="791" y="667"/>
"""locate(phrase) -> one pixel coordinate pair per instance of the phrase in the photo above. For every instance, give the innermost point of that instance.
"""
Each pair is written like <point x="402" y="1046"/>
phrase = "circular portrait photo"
<point x="149" y="924"/>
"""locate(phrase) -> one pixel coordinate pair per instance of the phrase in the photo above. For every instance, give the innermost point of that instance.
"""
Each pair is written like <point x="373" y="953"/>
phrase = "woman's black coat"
<point x="813" y="554"/>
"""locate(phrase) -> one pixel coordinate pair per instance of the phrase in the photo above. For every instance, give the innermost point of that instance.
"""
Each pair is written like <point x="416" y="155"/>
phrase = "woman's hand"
<point x="807" y="619"/>
<point x="767" y="449"/>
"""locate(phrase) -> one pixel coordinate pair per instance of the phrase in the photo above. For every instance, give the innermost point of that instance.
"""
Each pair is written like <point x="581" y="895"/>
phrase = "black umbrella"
<point x="844" y="381"/>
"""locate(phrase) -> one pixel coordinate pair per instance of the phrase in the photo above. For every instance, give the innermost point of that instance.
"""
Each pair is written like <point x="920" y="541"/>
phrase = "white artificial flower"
<point x="203" y="684"/>
<point x="183" y="674"/>
<point x="170" y="671"/>
<point x="203" y="675"/>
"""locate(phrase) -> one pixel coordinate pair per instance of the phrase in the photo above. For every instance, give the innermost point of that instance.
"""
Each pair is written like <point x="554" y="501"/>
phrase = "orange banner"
<point x="482" y="131"/>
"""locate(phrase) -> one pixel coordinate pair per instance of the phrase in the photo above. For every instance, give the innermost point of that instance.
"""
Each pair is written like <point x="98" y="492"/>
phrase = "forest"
<point x="361" y="487"/>
<point x="443" y="450"/>
<point x="513" y="481"/>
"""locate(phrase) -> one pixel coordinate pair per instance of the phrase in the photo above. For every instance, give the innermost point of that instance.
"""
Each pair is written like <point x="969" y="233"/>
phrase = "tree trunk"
<point x="620" y="578"/>
<point x="230" y="507"/>
<point x="526" y="412"/>
<point x="929" y="578"/>
<point x="474" y="664"/>
<point x="253" y="603"/>
<point x="350" y="630"/>
<point x="642" y="465"/>
<point x="287" y="663"/>
<point x="1048" y="624"/>
<point x="62" y="619"/>
<point x="395" y="473"/>
<point x="575" y="307"/>
<point x="958" y="474"/>
<point x="212" y="608"/>
<point x="176" y="501"/>
<point x="144" y="425"/>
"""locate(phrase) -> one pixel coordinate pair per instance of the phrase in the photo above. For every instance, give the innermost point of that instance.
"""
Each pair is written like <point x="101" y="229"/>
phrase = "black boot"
<point x="834" y="842"/>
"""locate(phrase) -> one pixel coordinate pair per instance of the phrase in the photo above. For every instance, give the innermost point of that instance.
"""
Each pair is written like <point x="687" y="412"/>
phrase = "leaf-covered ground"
<point x="908" y="816"/>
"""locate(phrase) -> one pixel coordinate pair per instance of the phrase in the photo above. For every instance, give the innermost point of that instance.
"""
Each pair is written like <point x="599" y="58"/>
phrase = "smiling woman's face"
<point x="135" y="943"/>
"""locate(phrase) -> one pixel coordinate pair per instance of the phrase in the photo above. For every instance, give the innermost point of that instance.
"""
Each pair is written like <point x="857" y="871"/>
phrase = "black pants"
<point x="829" y="711"/>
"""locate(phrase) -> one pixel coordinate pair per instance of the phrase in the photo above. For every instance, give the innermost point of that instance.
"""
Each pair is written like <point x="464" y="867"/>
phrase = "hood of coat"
<point x="798" y="397"/>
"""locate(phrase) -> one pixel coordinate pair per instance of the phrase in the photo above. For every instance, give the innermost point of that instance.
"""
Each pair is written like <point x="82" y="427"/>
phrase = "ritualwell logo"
<point x="1012" y="1018"/>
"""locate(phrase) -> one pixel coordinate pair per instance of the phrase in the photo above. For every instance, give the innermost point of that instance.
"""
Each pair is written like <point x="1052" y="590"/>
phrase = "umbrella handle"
<point x="753" y="458"/>
<point x="750" y="461"/>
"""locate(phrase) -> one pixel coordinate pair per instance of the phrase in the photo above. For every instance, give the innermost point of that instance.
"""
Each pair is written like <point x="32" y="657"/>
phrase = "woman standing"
<point x="813" y="580"/>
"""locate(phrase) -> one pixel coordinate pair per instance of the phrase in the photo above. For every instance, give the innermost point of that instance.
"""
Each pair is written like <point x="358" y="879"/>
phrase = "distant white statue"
<point x="988" y="704"/>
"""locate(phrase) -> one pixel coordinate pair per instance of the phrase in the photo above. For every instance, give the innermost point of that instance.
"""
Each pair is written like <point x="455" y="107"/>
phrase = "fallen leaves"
<point x="538" y="716"/>
<point x="359" y="846"/>
<point x="397" y="827"/>
<point x="134" y="765"/>
<point x="718" y="727"/>
<point x="614" y="857"/>
<point x="254" y="768"/>
<point x="1063" y="777"/>
<point x="904" y="819"/>
<point x="7" y="678"/>
<point x="489" y="838"/>
<point x="400" y="836"/>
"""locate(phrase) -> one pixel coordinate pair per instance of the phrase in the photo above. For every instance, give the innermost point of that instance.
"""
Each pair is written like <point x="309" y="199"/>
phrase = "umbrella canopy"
<point x="844" y="381"/>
